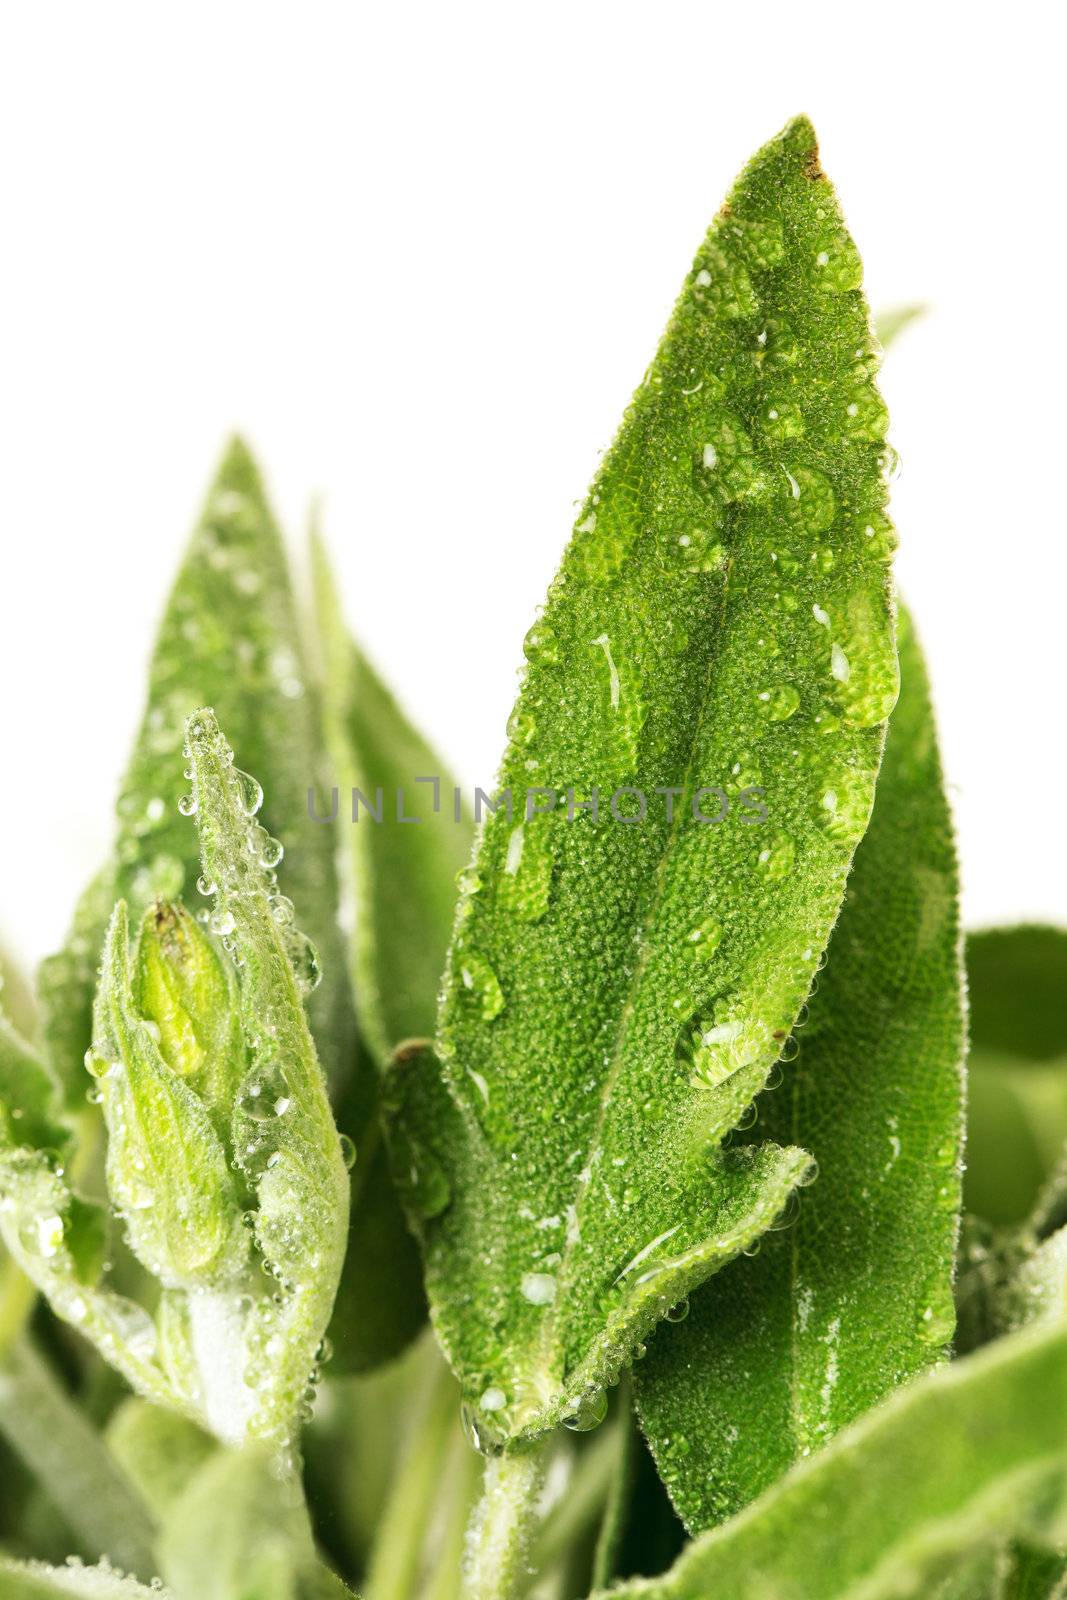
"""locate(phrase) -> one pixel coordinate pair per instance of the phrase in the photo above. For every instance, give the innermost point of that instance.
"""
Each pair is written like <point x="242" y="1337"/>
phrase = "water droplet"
<point x="844" y="806"/>
<point x="481" y="983"/>
<point x="877" y="535"/>
<point x="540" y="645"/>
<point x="187" y="805"/>
<point x="937" y="1314"/>
<point x="525" y="885"/>
<point x="222" y="922"/>
<point x="703" y="940"/>
<point x="205" y="884"/>
<point x="727" y="456"/>
<point x="866" y="416"/>
<point x="778" y="702"/>
<point x="588" y="1413"/>
<point x="521" y="726"/>
<point x="539" y="1288"/>
<point x="348" y="1151"/>
<point x="837" y="264"/>
<point x="264" y="1093"/>
<point x="304" y="959"/>
<point x="678" y="1312"/>
<point x="42" y="1236"/>
<point x="839" y="664"/>
<point x="249" y="791"/>
<point x="780" y="419"/>
<point x="716" y="1043"/>
<point x="775" y="860"/>
<point x="811" y="499"/>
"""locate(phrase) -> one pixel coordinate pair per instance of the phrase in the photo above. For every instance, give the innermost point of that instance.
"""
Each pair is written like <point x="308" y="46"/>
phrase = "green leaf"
<point x="29" y="1095"/>
<point x="283" y="1133"/>
<point x="1017" y="1112"/>
<point x="229" y="639"/>
<point x="403" y="872"/>
<point x="856" y="1295"/>
<point x="33" y="1580"/>
<point x="72" y="1463"/>
<point x="402" y="876"/>
<point x="945" y="1468"/>
<point x="240" y="1532"/>
<point x="159" y="1452"/>
<point x="617" y="993"/>
<point x="168" y="1171"/>
<point x="195" y="1150"/>
<point x="893" y="321"/>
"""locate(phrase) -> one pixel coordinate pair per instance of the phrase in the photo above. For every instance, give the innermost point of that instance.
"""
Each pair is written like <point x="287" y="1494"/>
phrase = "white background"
<point x="420" y="255"/>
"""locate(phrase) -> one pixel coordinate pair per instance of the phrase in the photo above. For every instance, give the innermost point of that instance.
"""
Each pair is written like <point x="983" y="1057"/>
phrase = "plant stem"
<point x="396" y="1556"/>
<point x="503" y="1525"/>
<point x="73" y="1465"/>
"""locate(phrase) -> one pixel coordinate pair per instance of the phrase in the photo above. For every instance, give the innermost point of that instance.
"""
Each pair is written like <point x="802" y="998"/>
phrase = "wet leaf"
<point x="855" y="1296"/>
<point x="1017" y="1111"/>
<point x="937" y="1474"/>
<point x="34" y="1580"/>
<point x="229" y="639"/>
<point x="617" y="992"/>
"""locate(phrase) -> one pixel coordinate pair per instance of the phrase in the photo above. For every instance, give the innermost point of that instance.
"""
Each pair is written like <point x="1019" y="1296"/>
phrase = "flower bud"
<point x="181" y="985"/>
<point x="167" y="1167"/>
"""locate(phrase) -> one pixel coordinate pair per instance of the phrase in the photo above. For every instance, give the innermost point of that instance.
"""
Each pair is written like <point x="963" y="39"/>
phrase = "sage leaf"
<point x="241" y="1529"/>
<point x="1017" y="1112"/>
<point x="283" y="1133"/>
<point x="229" y="638"/>
<point x="893" y="321"/>
<point x="73" y="1464"/>
<point x="402" y="880"/>
<point x="34" y="1580"/>
<point x="403" y="868"/>
<point x="616" y="994"/>
<point x="159" y="1451"/>
<point x="855" y="1296"/>
<point x="29" y="1096"/>
<point x="942" y="1470"/>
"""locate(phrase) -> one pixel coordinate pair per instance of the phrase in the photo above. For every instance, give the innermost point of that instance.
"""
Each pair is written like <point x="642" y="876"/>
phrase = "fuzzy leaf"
<point x="403" y="872"/>
<point x="856" y="1296"/>
<point x="229" y="638"/>
<point x="159" y="1452"/>
<point x="73" y="1465"/>
<point x="29" y="1109"/>
<point x="283" y="1131"/>
<point x="402" y="877"/>
<point x="239" y="1531"/>
<point x="941" y="1471"/>
<point x="1017" y="1112"/>
<point x="168" y="1171"/>
<point x="34" y="1580"/>
<point x="617" y="994"/>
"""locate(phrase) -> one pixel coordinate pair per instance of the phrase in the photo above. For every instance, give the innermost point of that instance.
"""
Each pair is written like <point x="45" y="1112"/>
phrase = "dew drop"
<point x="703" y="940"/>
<point x="250" y="792"/>
<point x="539" y="1288"/>
<point x="481" y="983"/>
<point x="187" y="805"/>
<point x="775" y="860"/>
<point x="588" y="1413"/>
<point x="348" y="1151"/>
<point x="777" y="702"/>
